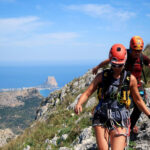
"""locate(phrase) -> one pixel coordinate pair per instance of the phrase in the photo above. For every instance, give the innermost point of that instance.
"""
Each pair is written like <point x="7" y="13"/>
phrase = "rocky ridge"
<point x="86" y="140"/>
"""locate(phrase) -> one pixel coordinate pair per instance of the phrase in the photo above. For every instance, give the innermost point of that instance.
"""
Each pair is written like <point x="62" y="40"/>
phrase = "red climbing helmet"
<point x="136" y="43"/>
<point x="118" y="54"/>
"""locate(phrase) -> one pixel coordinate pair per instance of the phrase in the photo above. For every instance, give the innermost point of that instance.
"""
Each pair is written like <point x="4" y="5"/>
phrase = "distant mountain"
<point x="49" y="83"/>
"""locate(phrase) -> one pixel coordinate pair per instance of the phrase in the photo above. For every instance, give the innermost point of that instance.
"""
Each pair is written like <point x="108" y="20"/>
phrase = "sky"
<point x="70" y="31"/>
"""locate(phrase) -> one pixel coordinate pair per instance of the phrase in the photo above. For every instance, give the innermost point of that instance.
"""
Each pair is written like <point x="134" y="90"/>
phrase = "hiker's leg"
<point x="135" y="116"/>
<point x="117" y="138"/>
<point x="101" y="137"/>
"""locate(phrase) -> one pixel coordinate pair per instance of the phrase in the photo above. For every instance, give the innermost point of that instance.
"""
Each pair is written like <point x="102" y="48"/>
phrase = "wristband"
<point x="149" y="116"/>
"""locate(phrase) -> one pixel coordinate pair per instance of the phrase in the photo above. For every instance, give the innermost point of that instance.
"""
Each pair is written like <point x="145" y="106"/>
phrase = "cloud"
<point x="26" y="31"/>
<point x="105" y="11"/>
<point x="23" y="24"/>
<point x="47" y="39"/>
<point x="62" y="36"/>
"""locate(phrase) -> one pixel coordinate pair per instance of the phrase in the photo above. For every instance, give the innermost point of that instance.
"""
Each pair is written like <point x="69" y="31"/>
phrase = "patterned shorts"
<point x="101" y="119"/>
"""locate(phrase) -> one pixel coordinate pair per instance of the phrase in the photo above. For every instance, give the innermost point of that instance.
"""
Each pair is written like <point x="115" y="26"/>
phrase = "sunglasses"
<point x="117" y="65"/>
<point x="137" y="51"/>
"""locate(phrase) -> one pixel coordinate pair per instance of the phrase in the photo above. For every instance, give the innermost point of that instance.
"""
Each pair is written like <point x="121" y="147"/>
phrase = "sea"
<point x="15" y="77"/>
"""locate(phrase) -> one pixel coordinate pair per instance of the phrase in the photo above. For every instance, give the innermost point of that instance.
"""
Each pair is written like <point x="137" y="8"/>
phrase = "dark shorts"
<point x="118" y="119"/>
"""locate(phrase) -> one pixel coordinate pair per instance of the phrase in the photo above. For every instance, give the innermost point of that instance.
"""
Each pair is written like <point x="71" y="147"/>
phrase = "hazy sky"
<point x="69" y="30"/>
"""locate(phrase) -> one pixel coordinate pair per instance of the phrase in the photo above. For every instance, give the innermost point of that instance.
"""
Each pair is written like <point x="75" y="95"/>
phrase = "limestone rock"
<point x="27" y="147"/>
<point x="85" y="134"/>
<point x="72" y="106"/>
<point x="5" y="136"/>
<point x="86" y="140"/>
<point x="49" y="83"/>
<point x="54" y="140"/>
<point x="91" y="102"/>
<point x="65" y="148"/>
<point x="64" y="137"/>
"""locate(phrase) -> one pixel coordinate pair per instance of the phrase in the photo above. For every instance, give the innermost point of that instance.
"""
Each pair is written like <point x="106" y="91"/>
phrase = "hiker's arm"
<point x="102" y="64"/>
<point x="136" y="96"/>
<point x="90" y="90"/>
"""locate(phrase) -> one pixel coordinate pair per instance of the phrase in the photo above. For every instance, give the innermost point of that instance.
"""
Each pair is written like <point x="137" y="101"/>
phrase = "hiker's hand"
<point x="94" y="70"/>
<point x="78" y="109"/>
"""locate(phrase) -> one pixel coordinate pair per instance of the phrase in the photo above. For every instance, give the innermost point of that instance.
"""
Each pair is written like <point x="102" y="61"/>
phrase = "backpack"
<point x="123" y="91"/>
<point x="141" y="63"/>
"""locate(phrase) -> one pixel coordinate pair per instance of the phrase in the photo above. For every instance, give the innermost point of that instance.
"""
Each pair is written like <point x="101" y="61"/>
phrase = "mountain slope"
<point x="58" y="128"/>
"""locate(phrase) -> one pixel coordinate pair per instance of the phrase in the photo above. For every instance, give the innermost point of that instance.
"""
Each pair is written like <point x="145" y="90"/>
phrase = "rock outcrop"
<point x="49" y="83"/>
<point x="86" y="140"/>
<point x="5" y="136"/>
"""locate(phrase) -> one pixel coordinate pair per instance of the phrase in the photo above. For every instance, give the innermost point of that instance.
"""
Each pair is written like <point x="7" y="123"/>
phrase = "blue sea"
<point x="30" y="76"/>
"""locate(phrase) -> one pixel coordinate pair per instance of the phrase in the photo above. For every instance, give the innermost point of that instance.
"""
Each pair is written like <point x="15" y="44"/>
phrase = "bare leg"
<point x="101" y="137"/>
<point x="118" y="142"/>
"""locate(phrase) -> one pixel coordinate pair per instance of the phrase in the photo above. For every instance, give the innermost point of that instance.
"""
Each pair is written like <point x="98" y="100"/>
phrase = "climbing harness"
<point x="121" y="96"/>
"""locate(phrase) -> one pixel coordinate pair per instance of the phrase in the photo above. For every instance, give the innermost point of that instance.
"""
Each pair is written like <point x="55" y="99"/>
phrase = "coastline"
<point x="26" y="88"/>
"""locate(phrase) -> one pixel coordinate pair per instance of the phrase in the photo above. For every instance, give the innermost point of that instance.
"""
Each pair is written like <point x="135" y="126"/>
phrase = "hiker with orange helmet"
<point x="111" y="115"/>
<point x="134" y="64"/>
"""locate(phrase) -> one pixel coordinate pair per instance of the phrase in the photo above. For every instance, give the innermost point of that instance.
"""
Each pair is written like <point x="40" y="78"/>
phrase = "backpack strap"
<point x="125" y="89"/>
<point x="103" y="86"/>
<point x="122" y="78"/>
<point x="141" y="62"/>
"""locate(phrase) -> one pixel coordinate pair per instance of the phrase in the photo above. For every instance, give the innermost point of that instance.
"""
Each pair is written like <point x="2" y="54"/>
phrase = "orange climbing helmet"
<point x="136" y="43"/>
<point x="118" y="54"/>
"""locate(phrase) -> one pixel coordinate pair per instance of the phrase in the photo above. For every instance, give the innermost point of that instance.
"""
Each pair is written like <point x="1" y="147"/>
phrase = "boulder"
<point x="5" y="136"/>
<point x="72" y="106"/>
<point x="91" y="102"/>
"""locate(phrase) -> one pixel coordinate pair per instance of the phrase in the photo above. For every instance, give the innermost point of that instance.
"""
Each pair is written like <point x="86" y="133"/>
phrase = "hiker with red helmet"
<point x="111" y="115"/>
<point x="134" y="64"/>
